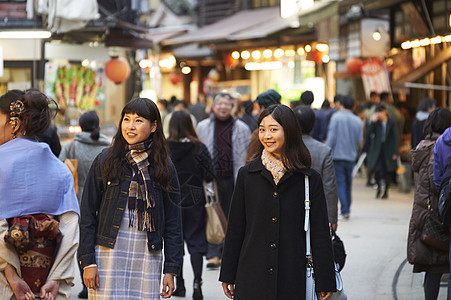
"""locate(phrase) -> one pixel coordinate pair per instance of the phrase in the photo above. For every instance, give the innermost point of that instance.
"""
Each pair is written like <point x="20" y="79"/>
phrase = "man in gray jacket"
<point x="226" y="139"/>
<point x="322" y="161"/>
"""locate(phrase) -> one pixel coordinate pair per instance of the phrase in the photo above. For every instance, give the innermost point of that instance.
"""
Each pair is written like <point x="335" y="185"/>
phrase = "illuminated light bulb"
<point x="278" y="53"/>
<point x="436" y="40"/>
<point x="186" y="70"/>
<point x="325" y="59"/>
<point x="301" y="51"/>
<point x="85" y="63"/>
<point x="415" y="43"/>
<point x="425" y="42"/>
<point x="447" y="38"/>
<point x="267" y="53"/>
<point x="235" y="54"/>
<point x="290" y="52"/>
<point x="308" y="48"/>
<point x="406" y="45"/>
<point x="256" y="54"/>
<point x="322" y="47"/>
<point x="245" y="54"/>
<point x="376" y="35"/>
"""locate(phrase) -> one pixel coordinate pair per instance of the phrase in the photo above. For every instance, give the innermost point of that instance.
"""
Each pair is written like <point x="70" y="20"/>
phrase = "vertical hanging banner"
<point x="374" y="76"/>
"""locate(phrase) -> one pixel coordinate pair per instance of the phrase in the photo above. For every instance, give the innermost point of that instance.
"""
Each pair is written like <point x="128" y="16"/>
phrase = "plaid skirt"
<point x="130" y="270"/>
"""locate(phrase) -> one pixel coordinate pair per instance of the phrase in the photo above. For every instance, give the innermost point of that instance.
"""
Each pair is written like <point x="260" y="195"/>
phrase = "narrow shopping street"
<point x="375" y="239"/>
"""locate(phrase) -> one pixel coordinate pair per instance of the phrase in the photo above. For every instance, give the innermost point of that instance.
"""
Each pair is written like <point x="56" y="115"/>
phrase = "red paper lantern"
<point x="353" y="65"/>
<point x="316" y="56"/>
<point x="117" y="69"/>
<point x="174" y="78"/>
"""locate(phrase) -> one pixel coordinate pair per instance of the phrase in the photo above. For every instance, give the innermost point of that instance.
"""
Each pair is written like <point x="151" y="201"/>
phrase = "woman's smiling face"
<point x="136" y="129"/>
<point x="271" y="135"/>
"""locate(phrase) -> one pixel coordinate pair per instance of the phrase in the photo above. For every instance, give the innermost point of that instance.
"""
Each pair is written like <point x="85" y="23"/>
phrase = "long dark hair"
<point x="437" y="122"/>
<point x="89" y="122"/>
<point x="295" y="154"/>
<point x="181" y="126"/>
<point x="36" y="116"/>
<point x="115" y="163"/>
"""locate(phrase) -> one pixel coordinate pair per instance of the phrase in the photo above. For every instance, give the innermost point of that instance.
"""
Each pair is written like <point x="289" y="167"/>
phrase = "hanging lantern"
<point x="175" y="78"/>
<point x="117" y="69"/>
<point x="353" y="65"/>
<point x="316" y="56"/>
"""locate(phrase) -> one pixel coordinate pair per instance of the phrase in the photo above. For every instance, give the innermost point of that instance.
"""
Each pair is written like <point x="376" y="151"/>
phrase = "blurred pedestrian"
<point x="193" y="163"/>
<point x="344" y="137"/>
<point x="425" y="258"/>
<point x="382" y="150"/>
<point x="34" y="187"/>
<point x="163" y="107"/>
<point x="367" y="109"/>
<point x="425" y="107"/>
<point x="130" y="208"/>
<point x="226" y="139"/>
<point x="264" y="252"/>
<point x="322" y="161"/>
<point x="247" y="117"/>
<point x="319" y="131"/>
<point x="199" y="109"/>
<point x="85" y="146"/>
<point x="178" y="106"/>
<point x="50" y="136"/>
<point x="264" y="100"/>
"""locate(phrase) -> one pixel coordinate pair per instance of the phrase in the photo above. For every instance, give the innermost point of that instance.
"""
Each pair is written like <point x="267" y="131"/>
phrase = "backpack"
<point x="444" y="200"/>
<point x="72" y="164"/>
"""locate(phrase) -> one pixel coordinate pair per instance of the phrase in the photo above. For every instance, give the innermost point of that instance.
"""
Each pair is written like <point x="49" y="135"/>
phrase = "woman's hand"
<point x="91" y="277"/>
<point x="229" y="289"/>
<point x="20" y="288"/>
<point x="326" y="295"/>
<point x="50" y="289"/>
<point x="168" y="286"/>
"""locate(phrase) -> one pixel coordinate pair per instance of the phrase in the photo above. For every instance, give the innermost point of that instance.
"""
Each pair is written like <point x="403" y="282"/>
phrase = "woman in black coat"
<point x="193" y="164"/>
<point x="264" y="250"/>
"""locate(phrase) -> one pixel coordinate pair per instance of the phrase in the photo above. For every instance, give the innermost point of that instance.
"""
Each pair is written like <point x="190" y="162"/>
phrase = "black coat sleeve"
<point x="236" y="228"/>
<point x="323" y="262"/>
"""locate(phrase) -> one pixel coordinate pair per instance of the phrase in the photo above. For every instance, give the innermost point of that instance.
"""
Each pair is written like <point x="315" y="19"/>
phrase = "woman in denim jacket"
<point x="130" y="205"/>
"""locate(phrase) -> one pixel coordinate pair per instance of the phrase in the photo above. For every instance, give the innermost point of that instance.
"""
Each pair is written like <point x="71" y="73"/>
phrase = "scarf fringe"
<point x="143" y="221"/>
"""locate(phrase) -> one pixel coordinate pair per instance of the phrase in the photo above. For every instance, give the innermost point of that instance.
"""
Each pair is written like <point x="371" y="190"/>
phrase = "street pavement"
<point x="375" y="239"/>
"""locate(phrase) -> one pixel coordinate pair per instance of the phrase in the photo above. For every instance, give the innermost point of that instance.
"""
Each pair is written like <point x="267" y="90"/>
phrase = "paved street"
<point x="375" y="239"/>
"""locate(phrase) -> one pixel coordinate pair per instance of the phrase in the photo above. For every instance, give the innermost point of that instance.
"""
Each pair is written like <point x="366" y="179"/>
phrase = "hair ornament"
<point x="17" y="111"/>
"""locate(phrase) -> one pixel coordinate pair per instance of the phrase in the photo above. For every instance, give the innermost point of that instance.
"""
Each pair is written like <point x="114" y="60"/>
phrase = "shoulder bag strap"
<point x="72" y="150"/>
<point x="308" y="253"/>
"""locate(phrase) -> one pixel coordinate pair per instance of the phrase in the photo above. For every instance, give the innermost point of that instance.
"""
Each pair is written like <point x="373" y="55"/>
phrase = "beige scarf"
<point x="273" y="165"/>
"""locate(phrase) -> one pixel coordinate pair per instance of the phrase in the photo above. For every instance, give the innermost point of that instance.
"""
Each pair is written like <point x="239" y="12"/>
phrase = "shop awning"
<point x="191" y="50"/>
<point x="319" y="11"/>
<point x="246" y="24"/>
<point x="439" y="58"/>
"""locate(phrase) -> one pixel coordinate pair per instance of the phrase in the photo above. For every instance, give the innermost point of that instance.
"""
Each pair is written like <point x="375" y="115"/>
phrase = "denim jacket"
<point x="104" y="204"/>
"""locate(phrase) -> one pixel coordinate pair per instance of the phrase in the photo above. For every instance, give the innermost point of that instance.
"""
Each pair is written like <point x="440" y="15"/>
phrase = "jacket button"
<point x="274" y="219"/>
<point x="271" y="270"/>
<point x="273" y="246"/>
<point x="274" y="194"/>
<point x="153" y="246"/>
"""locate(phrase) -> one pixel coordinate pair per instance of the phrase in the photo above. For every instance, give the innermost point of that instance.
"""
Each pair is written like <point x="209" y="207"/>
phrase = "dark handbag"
<point x="339" y="251"/>
<point x="36" y="239"/>
<point x="310" y="293"/>
<point x="434" y="232"/>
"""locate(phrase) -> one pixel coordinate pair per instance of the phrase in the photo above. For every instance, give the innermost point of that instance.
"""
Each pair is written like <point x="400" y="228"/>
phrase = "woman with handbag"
<point x="85" y="146"/>
<point x="193" y="163"/>
<point x="427" y="254"/>
<point x="39" y="210"/>
<point x="265" y="246"/>
<point x="129" y="209"/>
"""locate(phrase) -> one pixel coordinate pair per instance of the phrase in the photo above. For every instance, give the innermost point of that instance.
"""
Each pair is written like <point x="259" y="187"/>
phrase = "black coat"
<point x="264" y="250"/>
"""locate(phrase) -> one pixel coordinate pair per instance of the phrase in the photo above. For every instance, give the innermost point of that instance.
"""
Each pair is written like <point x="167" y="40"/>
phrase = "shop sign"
<point x="76" y="86"/>
<point x="374" y="76"/>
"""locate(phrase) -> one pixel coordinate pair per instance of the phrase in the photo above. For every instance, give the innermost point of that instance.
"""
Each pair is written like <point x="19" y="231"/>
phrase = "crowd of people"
<point x="141" y="195"/>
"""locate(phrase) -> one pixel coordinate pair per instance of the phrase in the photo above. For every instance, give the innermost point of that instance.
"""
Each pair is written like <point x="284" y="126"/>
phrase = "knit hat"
<point x="268" y="98"/>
